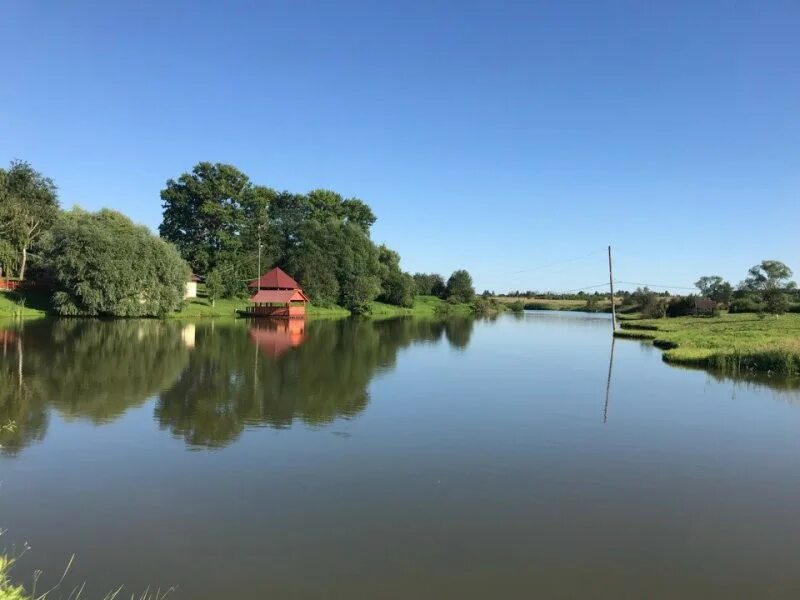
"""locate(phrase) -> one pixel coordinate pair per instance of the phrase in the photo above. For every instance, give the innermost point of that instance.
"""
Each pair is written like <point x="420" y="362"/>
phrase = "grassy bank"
<point x="732" y="344"/>
<point x="37" y="305"/>
<point x="424" y="306"/>
<point x="28" y="305"/>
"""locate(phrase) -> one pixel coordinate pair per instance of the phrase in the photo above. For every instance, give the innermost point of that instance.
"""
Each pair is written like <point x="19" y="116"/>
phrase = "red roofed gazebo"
<point x="277" y="295"/>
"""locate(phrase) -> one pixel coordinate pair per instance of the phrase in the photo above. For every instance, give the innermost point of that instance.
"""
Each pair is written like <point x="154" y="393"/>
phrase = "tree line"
<point x="217" y="224"/>
<point x="225" y="225"/>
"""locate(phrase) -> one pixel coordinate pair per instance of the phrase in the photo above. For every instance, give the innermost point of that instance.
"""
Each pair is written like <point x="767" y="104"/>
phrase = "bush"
<point x="745" y="305"/>
<point x="484" y="305"/>
<point x="654" y="307"/>
<point x="775" y="301"/>
<point x="681" y="306"/>
<point x="517" y="306"/>
<point x="398" y="289"/>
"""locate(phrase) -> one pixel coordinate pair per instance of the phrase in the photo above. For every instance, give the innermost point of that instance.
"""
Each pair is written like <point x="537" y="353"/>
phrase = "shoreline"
<point x="199" y="308"/>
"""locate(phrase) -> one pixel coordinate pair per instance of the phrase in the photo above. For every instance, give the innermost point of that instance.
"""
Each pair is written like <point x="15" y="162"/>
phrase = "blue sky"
<point x="501" y="137"/>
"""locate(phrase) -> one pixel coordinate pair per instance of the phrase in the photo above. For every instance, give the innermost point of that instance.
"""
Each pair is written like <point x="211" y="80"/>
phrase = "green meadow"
<point x="730" y="343"/>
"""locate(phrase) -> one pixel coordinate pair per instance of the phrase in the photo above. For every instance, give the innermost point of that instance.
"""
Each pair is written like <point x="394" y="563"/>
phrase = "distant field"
<point x="730" y="343"/>
<point x="533" y="303"/>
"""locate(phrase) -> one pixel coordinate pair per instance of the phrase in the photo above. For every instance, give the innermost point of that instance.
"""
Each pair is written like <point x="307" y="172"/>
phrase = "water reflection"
<point x="92" y="370"/>
<point x="608" y="379"/>
<point x="210" y="380"/>
<point x="281" y="372"/>
<point x="275" y="336"/>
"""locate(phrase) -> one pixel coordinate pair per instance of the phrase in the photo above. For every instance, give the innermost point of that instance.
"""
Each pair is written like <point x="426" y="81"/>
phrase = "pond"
<point x="403" y="458"/>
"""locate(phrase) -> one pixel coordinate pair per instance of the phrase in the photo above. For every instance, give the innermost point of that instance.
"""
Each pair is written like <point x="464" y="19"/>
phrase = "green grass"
<point x="13" y="304"/>
<point x="9" y="591"/>
<point x="733" y="344"/>
<point x="424" y="306"/>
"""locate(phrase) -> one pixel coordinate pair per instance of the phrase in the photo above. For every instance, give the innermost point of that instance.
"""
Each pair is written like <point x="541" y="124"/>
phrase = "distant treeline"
<point x="767" y="288"/>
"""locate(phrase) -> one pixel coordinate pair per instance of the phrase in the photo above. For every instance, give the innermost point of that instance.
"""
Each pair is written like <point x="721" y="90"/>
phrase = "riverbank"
<point x="733" y="344"/>
<point x="423" y="306"/>
<point x="32" y="306"/>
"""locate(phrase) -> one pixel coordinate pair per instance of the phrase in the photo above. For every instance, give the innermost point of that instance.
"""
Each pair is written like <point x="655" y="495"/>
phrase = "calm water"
<point x="397" y="459"/>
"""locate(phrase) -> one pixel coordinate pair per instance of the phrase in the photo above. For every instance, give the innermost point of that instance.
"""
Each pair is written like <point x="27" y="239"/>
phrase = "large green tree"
<point x="771" y="279"/>
<point x="28" y="207"/>
<point x="459" y="286"/>
<point x="397" y="287"/>
<point x="715" y="288"/>
<point x="105" y="265"/>
<point x="207" y="211"/>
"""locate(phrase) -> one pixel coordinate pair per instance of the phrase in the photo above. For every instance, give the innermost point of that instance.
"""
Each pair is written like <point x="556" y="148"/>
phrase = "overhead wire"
<point x="676" y="287"/>
<point x="556" y="263"/>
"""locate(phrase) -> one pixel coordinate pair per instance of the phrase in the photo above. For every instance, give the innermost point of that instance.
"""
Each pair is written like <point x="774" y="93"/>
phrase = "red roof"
<point x="276" y="279"/>
<point x="278" y="296"/>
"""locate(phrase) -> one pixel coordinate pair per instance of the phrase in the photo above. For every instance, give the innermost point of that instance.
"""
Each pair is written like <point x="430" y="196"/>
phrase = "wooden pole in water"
<point x="611" y="284"/>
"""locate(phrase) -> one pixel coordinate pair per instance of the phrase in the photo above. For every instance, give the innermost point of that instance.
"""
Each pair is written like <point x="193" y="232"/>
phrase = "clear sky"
<point x="501" y="137"/>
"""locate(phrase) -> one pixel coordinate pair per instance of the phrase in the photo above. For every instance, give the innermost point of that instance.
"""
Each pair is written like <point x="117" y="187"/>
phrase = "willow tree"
<point x="105" y="265"/>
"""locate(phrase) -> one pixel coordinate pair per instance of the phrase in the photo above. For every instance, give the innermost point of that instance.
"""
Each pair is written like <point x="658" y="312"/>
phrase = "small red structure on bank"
<point x="277" y="295"/>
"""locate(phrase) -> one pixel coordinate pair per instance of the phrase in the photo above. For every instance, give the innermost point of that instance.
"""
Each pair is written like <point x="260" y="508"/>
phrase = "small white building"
<point x="191" y="287"/>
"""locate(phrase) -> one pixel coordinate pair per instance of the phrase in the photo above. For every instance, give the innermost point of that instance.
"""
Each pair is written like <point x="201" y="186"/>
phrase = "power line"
<point x="553" y="264"/>
<point x="676" y="287"/>
<point x="588" y="287"/>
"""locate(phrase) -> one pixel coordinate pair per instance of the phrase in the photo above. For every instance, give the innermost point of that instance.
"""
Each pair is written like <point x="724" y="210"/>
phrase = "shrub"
<point x="775" y="301"/>
<point x="654" y="307"/>
<point x="517" y="306"/>
<point x="745" y="305"/>
<point x="681" y="306"/>
<point x="398" y="289"/>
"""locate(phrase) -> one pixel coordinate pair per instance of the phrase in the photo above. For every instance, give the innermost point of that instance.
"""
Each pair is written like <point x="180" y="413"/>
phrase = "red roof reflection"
<point x="274" y="337"/>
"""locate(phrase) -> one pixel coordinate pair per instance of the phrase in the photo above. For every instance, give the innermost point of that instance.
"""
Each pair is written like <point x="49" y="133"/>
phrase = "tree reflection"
<point x="23" y="414"/>
<point x="85" y="369"/>
<point x="211" y="379"/>
<point x="237" y="378"/>
<point x="458" y="331"/>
